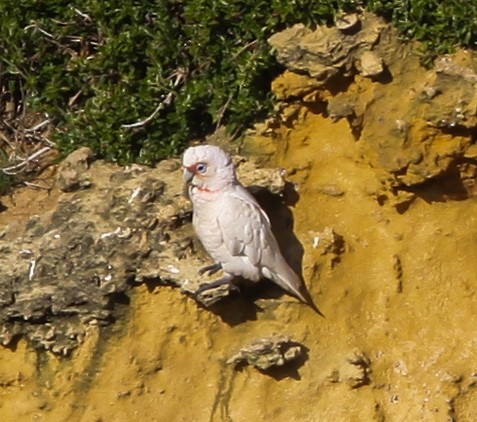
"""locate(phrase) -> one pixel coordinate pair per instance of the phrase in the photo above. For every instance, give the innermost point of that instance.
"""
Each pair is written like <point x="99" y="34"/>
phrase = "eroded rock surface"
<point x="329" y="51"/>
<point x="413" y="135"/>
<point x="269" y="352"/>
<point x="384" y="162"/>
<point x="113" y="228"/>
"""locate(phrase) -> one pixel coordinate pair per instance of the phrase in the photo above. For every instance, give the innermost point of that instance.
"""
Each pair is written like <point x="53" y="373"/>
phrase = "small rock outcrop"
<point x="329" y="51"/>
<point x="412" y="136"/>
<point x="269" y="352"/>
<point x="112" y="228"/>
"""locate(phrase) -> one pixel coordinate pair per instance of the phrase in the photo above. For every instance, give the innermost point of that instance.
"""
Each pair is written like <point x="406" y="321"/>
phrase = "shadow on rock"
<point x="456" y="184"/>
<point x="240" y="306"/>
<point x="385" y="77"/>
<point x="235" y="309"/>
<point x="450" y="186"/>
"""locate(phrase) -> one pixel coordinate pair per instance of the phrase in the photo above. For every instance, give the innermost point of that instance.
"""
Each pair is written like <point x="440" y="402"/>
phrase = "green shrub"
<point x="181" y="67"/>
<point x="441" y="25"/>
<point x="6" y="183"/>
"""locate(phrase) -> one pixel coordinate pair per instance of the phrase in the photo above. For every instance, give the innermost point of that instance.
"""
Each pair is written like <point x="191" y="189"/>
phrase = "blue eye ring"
<point x="201" y="168"/>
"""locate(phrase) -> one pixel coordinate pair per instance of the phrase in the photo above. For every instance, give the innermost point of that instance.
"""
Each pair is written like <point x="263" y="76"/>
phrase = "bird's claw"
<point x="234" y="288"/>
<point x="211" y="269"/>
<point x="228" y="281"/>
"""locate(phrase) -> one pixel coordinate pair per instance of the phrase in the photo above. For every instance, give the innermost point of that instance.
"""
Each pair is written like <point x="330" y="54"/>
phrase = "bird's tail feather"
<point x="293" y="284"/>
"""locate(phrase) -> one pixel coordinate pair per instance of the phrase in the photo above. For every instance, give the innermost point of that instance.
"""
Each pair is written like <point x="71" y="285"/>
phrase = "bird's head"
<point x="208" y="167"/>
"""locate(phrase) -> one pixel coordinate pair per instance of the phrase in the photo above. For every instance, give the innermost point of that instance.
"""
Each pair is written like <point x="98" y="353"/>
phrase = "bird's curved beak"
<point x="187" y="175"/>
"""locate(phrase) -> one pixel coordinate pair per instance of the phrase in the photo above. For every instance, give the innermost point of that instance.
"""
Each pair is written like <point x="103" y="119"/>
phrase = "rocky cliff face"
<point x="414" y="125"/>
<point x="368" y="174"/>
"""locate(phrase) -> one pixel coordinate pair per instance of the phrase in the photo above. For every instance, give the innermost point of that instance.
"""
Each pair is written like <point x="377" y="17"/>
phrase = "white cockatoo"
<point x="233" y="228"/>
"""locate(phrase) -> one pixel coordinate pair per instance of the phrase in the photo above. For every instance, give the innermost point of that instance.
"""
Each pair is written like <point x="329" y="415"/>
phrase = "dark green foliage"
<point x="190" y="65"/>
<point x="440" y="24"/>
<point x="6" y="182"/>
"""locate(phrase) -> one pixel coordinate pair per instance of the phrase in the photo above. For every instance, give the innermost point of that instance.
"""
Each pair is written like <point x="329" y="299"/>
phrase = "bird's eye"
<point x="201" y="168"/>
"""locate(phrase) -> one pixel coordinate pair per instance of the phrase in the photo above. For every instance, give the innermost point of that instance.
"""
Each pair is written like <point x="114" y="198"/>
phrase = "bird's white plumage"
<point x="231" y="225"/>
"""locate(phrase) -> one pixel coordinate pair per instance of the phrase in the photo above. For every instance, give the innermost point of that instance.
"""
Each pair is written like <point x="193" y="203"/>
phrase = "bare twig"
<point x="225" y="107"/>
<point x="6" y="140"/>
<point x="74" y="39"/>
<point x="17" y="168"/>
<point x="222" y="111"/>
<point x="48" y="142"/>
<point x="62" y="23"/>
<point x="38" y="126"/>
<point x="74" y="98"/>
<point x="36" y="27"/>
<point x="180" y="75"/>
<point x="244" y="48"/>
<point x="144" y="122"/>
<point x="50" y="38"/>
<point x="35" y="186"/>
<point x="8" y="125"/>
<point x="85" y="16"/>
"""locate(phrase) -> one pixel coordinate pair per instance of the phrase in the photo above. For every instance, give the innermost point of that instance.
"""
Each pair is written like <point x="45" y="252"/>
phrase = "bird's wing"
<point x="246" y="231"/>
<point x="245" y="227"/>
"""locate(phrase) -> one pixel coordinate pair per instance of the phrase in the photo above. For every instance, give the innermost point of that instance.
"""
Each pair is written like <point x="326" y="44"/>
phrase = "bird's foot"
<point x="211" y="269"/>
<point x="227" y="280"/>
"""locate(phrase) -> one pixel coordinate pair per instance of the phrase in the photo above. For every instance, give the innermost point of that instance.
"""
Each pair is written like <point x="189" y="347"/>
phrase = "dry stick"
<point x="40" y="138"/>
<point x="6" y="140"/>
<point x="222" y="112"/>
<point x="49" y="37"/>
<point x="48" y="142"/>
<point x="17" y="168"/>
<point x="35" y="26"/>
<point x="225" y="107"/>
<point x="227" y="103"/>
<point x="144" y="122"/>
<point x="162" y="104"/>
<point x="244" y="48"/>
<point x="36" y="186"/>
<point x="38" y="126"/>
<point x="74" y="98"/>
<point x="85" y="16"/>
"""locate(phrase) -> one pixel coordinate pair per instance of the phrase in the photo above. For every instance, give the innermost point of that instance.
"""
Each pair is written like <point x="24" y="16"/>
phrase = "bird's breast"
<point x="205" y="222"/>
